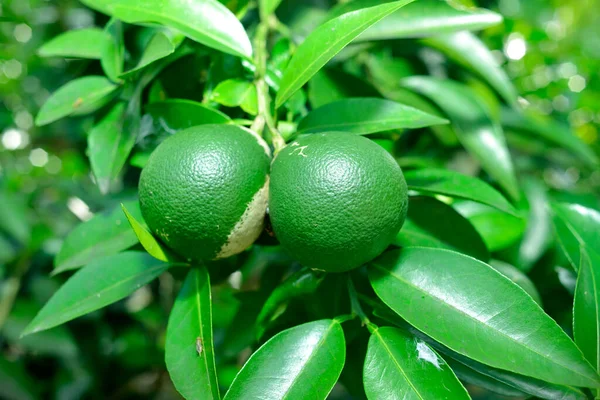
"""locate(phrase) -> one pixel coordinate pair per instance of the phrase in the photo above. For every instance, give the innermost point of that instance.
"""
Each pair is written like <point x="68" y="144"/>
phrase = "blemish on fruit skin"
<point x="298" y="147"/>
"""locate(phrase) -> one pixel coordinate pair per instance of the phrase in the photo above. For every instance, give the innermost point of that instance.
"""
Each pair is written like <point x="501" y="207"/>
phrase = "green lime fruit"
<point x="204" y="191"/>
<point x="336" y="200"/>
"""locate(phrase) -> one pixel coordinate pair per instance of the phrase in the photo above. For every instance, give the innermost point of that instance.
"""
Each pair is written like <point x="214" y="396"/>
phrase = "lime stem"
<point x="356" y="307"/>
<point x="264" y="116"/>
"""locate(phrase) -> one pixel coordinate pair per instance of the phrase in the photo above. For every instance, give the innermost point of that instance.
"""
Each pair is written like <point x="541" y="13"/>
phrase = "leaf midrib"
<point x="204" y="342"/>
<point x="475" y="319"/>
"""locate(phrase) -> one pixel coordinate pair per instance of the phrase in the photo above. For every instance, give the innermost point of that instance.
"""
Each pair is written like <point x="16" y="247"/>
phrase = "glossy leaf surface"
<point x="365" y="115"/>
<point x="80" y="43"/>
<point x="483" y="315"/>
<point x="477" y="131"/>
<point x="149" y="242"/>
<point x="189" y="350"/>
<point x="113" y="52"/>
<point x="80" y="96"/>
<point x="518" y="277"/>
<point x="237" y="92"/>
<point x="576" y="227"/>
<point x="431" y="223"/>
<point x="105" y="234"/>
<point x="398" y="366"/>
<point x="326" y="41"/>
<point x="100" y="283"/>
<point x="282" y="368"/>
<point x="205" y="21"/>
<point x="423" y="18"/>
<point x="159" y="46"/>
<point x="454" y="184"/>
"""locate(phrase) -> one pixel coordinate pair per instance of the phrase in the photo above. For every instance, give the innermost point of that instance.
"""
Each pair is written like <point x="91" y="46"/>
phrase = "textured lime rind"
<point x="204" y="191"/>
<point x="336" y="200"/>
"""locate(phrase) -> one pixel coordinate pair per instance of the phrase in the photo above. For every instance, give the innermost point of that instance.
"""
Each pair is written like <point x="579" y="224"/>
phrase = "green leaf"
<point x="16" y="383"/>
<point x="577" y="228"/>
<point x="422" y="18"/>
<point x="472" y="377"/>
<point x="176" y="114"/>
<point x="149" y="242"/>
<point x="300" y="283"/>
<point x="189" y="350"/>
<point x="80" y="96"/>
<point x="105" y="234"/>
<point x="237" y="92"/>
<point x="532" y="386"/>
<point x="586" y="308"/>
<point x="454" y="184"/>
<point x="14" y="216"/>
<point x="431" y="223"/>
<point x="326" y="41"/>
<point x="518" y="277"/>
<point x="477" y="131"/>
<point x="550" y="131"/>
<point x="205" y="21"/>
<point x="113" y="52"/>
<point x="482" y="314"/>
<point x="329" y="85"/>
<point x="303" y="362"/>
<point x="98" y="284"/>
<point x="399" y="367"/>
<point x="159" y="46"/>
<point x="80" y="43"/>
<point x="497" y="229"/>
<point x="268" y="7"/>
<point x="469" y="51"/>
<point x="365" y="115"/>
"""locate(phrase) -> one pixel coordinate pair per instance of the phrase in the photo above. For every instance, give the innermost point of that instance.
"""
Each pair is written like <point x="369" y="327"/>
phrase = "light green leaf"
<point x="98" y="284"/>
<point x="159" y="46"/>
<point x="15" y="382"/>
<point x="469" y="51"/>
<point x="422" y="18"/>
<point x="518" y="277"/>
<point x="577" y="228"/>
<point x="550" y="131"/>
<point x="398" y="366"/>
<point x="454" y="184"/>
<point x="283" y="366"/>
<point x="237" y="92"/>
<point x="105" y="234"/>
<point x="477" y="131"/>
<point x="79" y="96"/>
<point x="189" y="350"/>
<point x="14" y="216"/>
<point x="326" y="41"/>
<point x="113" y="52"/>
<point x="365" y="115"/>
<point x="482" y="314"/>
<point x="431" y="223"/>
<point x="80" y="43"/>
<point x="149" y="242"/>
<point x="205" y="21"/>
<point x="586" y="308"/>
<point x="176" y="114"/>
<point x="268" y="7"/>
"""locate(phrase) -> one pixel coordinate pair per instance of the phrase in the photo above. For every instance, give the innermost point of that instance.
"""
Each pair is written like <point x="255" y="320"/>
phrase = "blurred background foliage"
<point x="549" y="48"/>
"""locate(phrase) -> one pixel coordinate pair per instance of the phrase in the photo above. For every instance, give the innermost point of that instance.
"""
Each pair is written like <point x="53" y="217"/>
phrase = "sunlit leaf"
<point x="80" y="43"/>
<point x="149" y="242"/>
<point x="577" y="228"/>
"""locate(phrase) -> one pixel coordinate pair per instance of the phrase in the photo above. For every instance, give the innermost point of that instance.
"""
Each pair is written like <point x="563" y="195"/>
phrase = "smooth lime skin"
<point x="336" y="200"/>
<point x="197" y="184"/>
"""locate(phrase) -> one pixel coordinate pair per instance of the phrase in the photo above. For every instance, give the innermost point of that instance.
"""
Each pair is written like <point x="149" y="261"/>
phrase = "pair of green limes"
<point x="335" y="200"/>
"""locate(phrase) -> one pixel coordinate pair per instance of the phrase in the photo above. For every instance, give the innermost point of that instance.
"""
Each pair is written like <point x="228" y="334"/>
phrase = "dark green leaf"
<point x="113" y="52"/>
<point x="329" y="85"/>
<point x="15" y="382"/>
<point x="149" y="242"/>
<point x="365" y="115"/>
<point x="577" y="227"/>
<point x="105" y="234"/>
<point x="399" y="367"/>
<point x="431" y="223"/>
<point x="237" y="92"/>
<point x="453" y="184"/>
<point x="422" y="18"/>
<point x="469" y="51"/>
<point x="326" y="41"/>
<point x="475" y="378"/>
<point x="160" y="46"/>
<point x="479" y="313"/>
<point x="81" y="43"/>
<point x="189" y="351"/>
<point x="176" y="114"/>
<point x="282" y="368"/>
<point x="550" y="131"/>
<point x="205" y="21"/>
<point x="80" y="96"/>
<point x="477" y="131"/>
<point x="518" y="277"/>
<point x="100" y="283"/>
<point x="497" y="229"/>
<point x="586" y="309"/>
